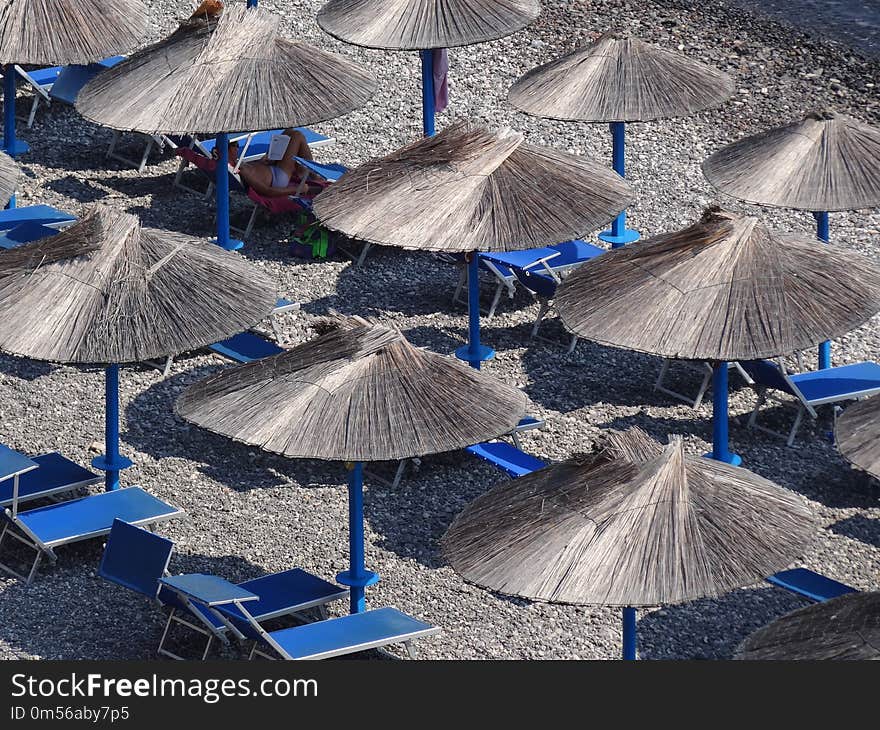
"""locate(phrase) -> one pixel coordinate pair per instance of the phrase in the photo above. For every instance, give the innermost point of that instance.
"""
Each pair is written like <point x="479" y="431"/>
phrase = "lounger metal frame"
<point x="700" y="367"/>
<point x="40" y="548"/>
<point x="800" y="402"/>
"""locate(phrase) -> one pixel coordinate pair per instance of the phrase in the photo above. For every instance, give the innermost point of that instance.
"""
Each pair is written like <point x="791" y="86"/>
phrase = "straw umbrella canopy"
<point x="9" y="175"/>
<point x="638" y="524"/>
<point x="358" y="392"/>
<point x="847" y="627"/>
<point x="620" y="80"/>
<point x="51" y="33"/>
<point x="423" y="25"/>
<point x="823" y="162"/>
<point x="107" y="291"/>
<point x="857" y="435"/>
<point x="469" y="189"/>
<point x="723" y="289"/>
<point x="218" y="76"/>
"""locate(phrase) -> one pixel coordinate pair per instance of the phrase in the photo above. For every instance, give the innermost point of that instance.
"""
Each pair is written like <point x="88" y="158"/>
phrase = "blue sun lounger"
<point x="53" y="474"/>
<point x="41" y="81"/>
<point x="249" y="346"/>
<point x="511" y="460"/>
<point x="41" y="215"/>
<point x="809" y="584"/>
<point x="319" y="640"/>
<point x="551" y="260"/>
<point x="46" y="528"/>
<point x="72" y="78"/>
<point x="137" y="559"/>
<point x="810" y="389"/>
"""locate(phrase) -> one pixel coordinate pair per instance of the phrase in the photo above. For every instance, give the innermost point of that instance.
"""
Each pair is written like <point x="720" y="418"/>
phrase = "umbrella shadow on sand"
<point x="110" y="621"/>
<point x="859" y="527"/>
<point x="23" y="368"/>
<point x="74" y="187"/>
<point x="711" y="628"/>
<point x="154" y="429"/>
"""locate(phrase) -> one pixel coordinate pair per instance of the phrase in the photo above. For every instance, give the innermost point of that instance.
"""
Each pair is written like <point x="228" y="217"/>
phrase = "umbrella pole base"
<point x="233" y="244"/>
<point x="732" y="459"/>
<point x="357" y="584"/>
<point x="476" y="355"/>
<point x="20" y="147"/>
<point x="628" y="236"/>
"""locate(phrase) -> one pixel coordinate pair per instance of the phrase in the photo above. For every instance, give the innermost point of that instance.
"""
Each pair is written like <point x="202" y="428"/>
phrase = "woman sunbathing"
<point x="276" y="178"/>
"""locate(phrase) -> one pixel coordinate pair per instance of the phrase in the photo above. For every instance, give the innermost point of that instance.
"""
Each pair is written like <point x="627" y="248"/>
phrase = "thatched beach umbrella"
<point x="9" y="174"/>
<point x="857" y="435"/>
<point x="106" y="291"/>
<point x="425" y="25"/>
<point x="823" y="162"/>
<point x="847" y="627"/>
<point x="636" y="525"/>
<point x="358" y="392"/>
<point x="468" y="189"/>
<point x="619" y="80"/>
<point x="50" y="33"/>
<point x="218" y="76"/>
<point x="723" y="289"/>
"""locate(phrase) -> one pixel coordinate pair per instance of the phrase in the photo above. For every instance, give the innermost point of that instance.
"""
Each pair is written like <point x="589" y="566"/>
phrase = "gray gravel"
<point x="249" y="512"/>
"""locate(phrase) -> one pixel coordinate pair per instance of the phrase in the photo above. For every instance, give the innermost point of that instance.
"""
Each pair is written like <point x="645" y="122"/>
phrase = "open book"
<point x="277" y="146"/>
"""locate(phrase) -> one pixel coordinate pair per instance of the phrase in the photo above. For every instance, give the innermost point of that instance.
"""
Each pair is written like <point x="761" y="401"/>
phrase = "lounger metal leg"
<point x="514" y="436"/>
<point x="762" y="398"/>
<point x="495" y="299"/>
<point x="146" y="155"/>
<point x="398" y="475"/>
<point x="797" y="422"/>
<point x="364" y="251"/>
<point x="542" y="312"/>
<point x="113" y="140"/>
<point x="33" y="112"/>
<point x="410" y="649"/>
<point x="462" y="280"/>
<point x="29" y="577"/>
<point x="704" y="386"/>
<point x="250" y="224"/>
<point x="572" y="344"/>
<point x="168" y="363"/>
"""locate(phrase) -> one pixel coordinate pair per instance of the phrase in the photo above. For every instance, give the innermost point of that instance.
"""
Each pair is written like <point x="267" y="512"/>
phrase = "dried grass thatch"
<point x="857" y="435"/>
<point x="725" y="288"/>
<point x="638" y="524"/>
<point x="824" y="162"/>
<point x="50" y="33"/>
<point x="357" y="392"/>
<point x="234" y="74"/>
<point x="847" y="627"/>
<point x="620" y="80"/>
<point x="419" y="24"/>
<point x="106" y="291"/>
<point x="9" y="175"/>
<point x="468" y="189"/>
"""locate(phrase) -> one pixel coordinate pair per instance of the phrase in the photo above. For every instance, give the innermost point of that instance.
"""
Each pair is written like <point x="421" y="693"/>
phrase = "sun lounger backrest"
<point x="249" y="626"/>
<point x="542" y="284"/>
<point x="770" y="375"/>
<point x="135" y="558"/>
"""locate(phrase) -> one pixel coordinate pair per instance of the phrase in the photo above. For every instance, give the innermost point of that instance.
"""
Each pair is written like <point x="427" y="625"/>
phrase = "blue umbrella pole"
<point x="720" y="437"/>
<point x="822" y="232"/>
<point x="619" y="235"/>
<point x="428" y="92"/>
<point x="252" y="3"/>
<point x="111" y="463"/>
<point x="357" y="577"/>
<point x="629" y="633"/>
<point x="222" y="185"/>
<point x="473" y="352"/>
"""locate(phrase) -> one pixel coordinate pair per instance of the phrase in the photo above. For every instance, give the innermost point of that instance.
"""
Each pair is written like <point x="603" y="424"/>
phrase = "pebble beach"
<point x="250" y="512"/>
